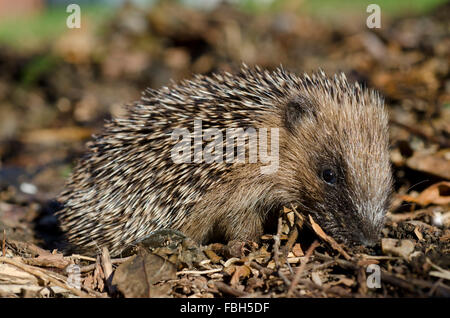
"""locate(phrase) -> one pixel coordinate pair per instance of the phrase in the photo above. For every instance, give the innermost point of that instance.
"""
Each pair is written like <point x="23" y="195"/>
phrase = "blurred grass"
<point x="38" y="66"/>
<point x="393" y="8"/>
<point x="341" y="7"/>
<point x="29" y="31"/>
<point x="46" y="26"/>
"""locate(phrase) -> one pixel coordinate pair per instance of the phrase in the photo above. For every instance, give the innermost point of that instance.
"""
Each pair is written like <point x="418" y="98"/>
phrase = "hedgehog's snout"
<point x="368" y="240"/>
<point x="368" y="235"/>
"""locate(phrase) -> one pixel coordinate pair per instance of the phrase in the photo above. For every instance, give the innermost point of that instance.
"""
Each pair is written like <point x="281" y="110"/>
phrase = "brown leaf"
<point x="436" y="163"/>
<point x="212" y="256"/>
<point x="297" y="250"/>
<point x="253" y="283"/>
<point x="137" y="276"/>
<point x="438" y="193"/>
<point x="240" y="272"/>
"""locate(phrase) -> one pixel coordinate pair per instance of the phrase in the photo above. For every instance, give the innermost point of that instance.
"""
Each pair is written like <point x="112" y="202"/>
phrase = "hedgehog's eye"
<point x="329" y="176"/>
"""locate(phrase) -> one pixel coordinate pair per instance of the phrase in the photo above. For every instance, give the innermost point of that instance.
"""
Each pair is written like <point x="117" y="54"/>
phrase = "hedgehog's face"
<point x="355" y="187"/>
<point x="342" y="175"/>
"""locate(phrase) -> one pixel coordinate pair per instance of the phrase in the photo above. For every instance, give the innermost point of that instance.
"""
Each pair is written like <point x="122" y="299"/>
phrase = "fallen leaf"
<point x="297" y="250"/>
<point x="240" y="272"/>
<point x="436" y="164"/>
<point x="438" y="193"/>
<point x="137" y="276"/>
<point x="212" y="256"/>
<point x="418" y="233"/>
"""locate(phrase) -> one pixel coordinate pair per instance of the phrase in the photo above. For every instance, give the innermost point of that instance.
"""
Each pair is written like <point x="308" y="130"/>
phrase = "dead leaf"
<point x="137" y="276"/>
<point x="418" y="233"/>
<point x="240" y="272"/>
<point x="437" y="163"/>
<point x="438" y="193"/>
<point x="297" y="250"/>
<point x="213" y="256"/>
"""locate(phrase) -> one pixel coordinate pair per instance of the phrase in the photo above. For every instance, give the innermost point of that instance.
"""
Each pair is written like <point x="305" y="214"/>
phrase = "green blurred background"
<point x="27" y="23"/>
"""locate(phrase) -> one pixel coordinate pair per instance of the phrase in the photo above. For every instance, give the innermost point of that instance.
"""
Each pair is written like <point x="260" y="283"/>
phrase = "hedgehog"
<point x="332" y="162"/>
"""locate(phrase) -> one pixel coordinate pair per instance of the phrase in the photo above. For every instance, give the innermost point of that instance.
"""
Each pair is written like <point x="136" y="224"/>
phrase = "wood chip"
<point x="402" y="248"/>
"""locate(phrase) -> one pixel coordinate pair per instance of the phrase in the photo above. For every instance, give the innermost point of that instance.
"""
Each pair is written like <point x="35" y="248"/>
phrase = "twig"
<point x="392" y="279"/>
<point x="209" y="271"/>
<point x="114" y="261"/>
<point x="106" y="262"/>
<point x="293" y="235"/>
<point x="435" y="286"/>
<point x="277" y="242"/>
<point x="285" y="279"/>
<point x="264" y="270"/>
<point x="86" y="258"/>
<point x="27" y="248"/>
<point x="107" y="269"/>
<point x="328" y="238"/>
<point x="325" y="264"/>
<point x="224" y="288"/>
<point x="302" y="267"/>
<point x="379" y="257"/>
<point x="300" y="218"/>
<point x="44" y="276"/>
<point x="4" y="243"/>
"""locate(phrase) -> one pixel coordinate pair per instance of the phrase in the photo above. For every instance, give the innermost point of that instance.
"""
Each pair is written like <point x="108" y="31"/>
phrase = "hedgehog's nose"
<point x="368" y="239"/>
<point x="369" y="242"/>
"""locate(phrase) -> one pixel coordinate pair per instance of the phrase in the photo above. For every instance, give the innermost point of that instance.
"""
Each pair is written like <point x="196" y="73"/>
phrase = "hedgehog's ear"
<point x="295" y="110"/>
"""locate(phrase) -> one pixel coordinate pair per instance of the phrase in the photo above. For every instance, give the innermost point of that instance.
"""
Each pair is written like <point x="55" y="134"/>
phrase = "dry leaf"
<point x="438" y="193"/>
<point x="436" y="164"/>
<point x="240" y="272"/>
<point x="137" y="276"/>
<point x="213" y="256"/>
<point x="297" y="250"/>
<point x="418" y="233"/>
